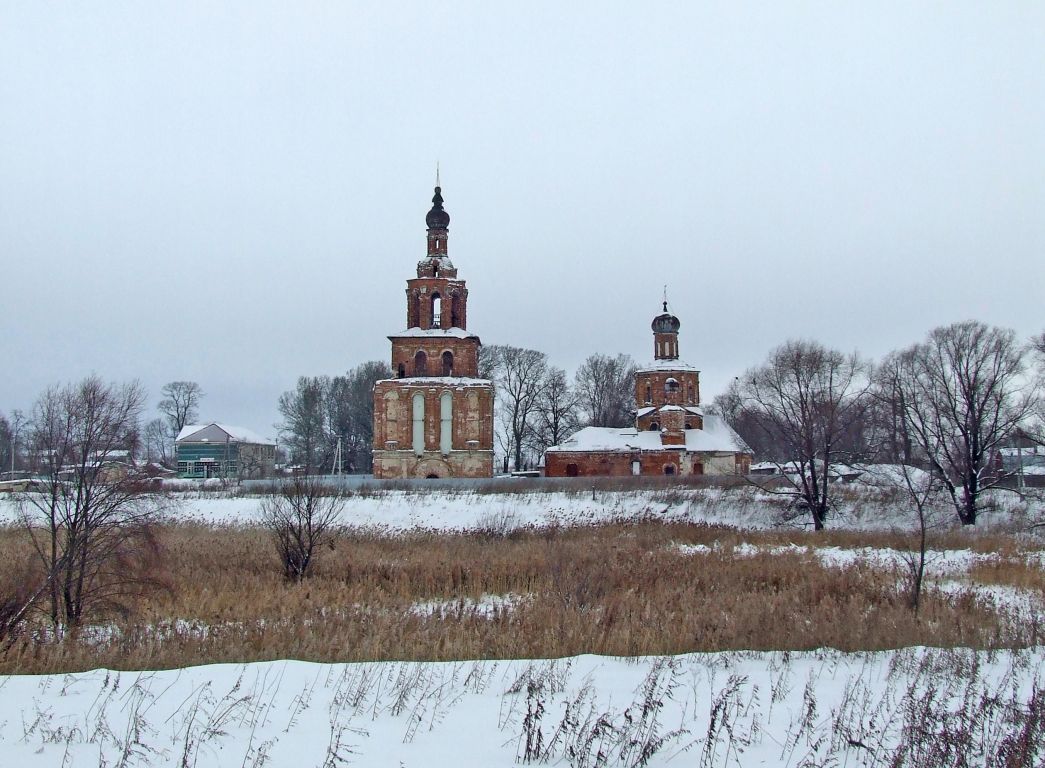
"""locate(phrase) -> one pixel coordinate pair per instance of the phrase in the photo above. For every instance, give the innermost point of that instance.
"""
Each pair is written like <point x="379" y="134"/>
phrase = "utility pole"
<point x="337" y="458"/>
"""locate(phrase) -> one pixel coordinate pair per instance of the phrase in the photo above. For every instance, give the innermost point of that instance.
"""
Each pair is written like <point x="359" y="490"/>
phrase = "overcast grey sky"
<point x="235" y="193"/>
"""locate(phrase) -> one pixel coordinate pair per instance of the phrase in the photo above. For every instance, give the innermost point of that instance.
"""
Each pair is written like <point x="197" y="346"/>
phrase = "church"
<point x="435" y="418"/>
<point x="672" y="434"/>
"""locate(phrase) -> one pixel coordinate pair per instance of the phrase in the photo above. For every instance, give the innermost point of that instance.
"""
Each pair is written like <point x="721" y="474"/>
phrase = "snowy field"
<point x="910" y="707"/>
<point x="914" y="707"/>
<point x="457" y="510"/>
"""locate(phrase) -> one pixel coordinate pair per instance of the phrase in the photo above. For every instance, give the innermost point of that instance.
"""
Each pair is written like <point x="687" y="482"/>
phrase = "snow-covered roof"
<point x="650" y="409"/>
<point x="444" y="381"/>
<point x="428" y="333"/>
<point x="235" y="434"/>
<point x="667" y="366"/>
<point x="716" y="436"/>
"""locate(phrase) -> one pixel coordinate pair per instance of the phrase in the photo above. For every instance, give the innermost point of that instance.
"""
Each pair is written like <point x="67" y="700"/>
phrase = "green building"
<point x="220" y="450"/>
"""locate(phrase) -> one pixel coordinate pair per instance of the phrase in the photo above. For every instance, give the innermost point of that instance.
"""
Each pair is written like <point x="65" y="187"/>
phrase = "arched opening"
<point x="698" y="468"/>
<point x="437" y="310"/>
<point x="391" y="416"/>
<point x="689" y="425"/>
<point x="571" y="470"/>
<point x="420" y="363"/>
<point x="671" y="385"/>
<point x="446" y="422"/>
<point x="448" y="363"/>
<point x="649" y="392"/>
<point x="669" y="469"/>
<point x="654" y="426"/>
<point x="418" y="442"/>
<point x="692" y="398"/>
<point x="431" y="476"/>
<point x="401" y="372"/>
<point x="455" y="312"/>
<point x="414" y="311"/>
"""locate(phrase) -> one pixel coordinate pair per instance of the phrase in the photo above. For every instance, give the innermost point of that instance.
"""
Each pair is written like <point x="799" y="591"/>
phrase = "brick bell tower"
<point x="435" y="419"/>
<point x="667" y="393"/>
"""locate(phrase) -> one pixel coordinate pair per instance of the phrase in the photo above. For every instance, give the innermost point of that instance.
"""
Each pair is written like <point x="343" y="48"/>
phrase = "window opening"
<point x="419" y="423"/>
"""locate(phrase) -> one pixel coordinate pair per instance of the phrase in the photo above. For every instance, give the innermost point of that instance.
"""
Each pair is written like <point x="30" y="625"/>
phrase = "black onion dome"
<point x="666" y="323"/>
<point x="437" y="218"/>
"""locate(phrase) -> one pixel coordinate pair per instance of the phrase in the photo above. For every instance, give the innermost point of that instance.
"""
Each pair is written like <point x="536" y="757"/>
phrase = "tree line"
<point x="946" y="406"/>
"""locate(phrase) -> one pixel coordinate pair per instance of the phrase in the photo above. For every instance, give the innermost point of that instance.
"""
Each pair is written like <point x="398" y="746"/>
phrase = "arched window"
<point x="698" y="468"/>
<point x="671" y="385"/>
<point x="401" y="373"/>
<point x="571" y="470"/>
<point x="691" y="398"/>
<point x="391" y="416"/>
<point x="415" y="311"/>
<point x="689" y="425"/>
<point x="455" y="311"/>
<point x="448" y="363"/>
<point x="420" y="363"/>
<point x="649" y="392"/>
<point x="419" y="423"/>
<point x="654" y="426"/>
<point x="437" y="310"/>
<point x="669" y="469"/>
<point x="446" y="422"/>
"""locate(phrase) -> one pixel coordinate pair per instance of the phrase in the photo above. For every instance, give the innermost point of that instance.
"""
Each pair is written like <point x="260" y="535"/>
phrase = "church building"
<point x="435" y="419"/>
<point x="672" y="434"/>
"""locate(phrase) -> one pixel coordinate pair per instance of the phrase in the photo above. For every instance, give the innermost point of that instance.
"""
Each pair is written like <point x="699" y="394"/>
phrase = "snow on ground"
<point x="486" y="607"/>
<point x="460" y="509"/>
<point x="945" y="570"/>
<point x="726" y="709"/>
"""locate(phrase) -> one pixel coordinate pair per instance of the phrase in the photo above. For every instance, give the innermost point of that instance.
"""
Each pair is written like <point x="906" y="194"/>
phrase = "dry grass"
<point x="617" y="589"/>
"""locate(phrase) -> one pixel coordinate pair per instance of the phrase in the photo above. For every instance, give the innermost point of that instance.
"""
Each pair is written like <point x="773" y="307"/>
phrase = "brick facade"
<point x="435" y="419"/>
<point x="667" y="438"/>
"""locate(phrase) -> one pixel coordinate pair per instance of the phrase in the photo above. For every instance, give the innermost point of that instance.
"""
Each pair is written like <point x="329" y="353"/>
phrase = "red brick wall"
<point x="454" y="306"/>
<point x="688" y="381"/>
<point x="595" y="464"/>
<point x="472" y="415"/>
<point x="465" y="352"/>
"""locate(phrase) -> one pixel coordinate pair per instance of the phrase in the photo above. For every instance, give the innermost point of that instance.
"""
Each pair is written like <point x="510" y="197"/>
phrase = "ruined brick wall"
<point x="471" y="453"/>
<point x="650" y="388"/>
<point x="465" y="355"/>
<point x="651" y="463"/>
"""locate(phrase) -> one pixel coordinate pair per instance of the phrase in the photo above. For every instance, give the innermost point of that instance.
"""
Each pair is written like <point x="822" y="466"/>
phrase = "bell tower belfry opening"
<point x="435" y="419"/>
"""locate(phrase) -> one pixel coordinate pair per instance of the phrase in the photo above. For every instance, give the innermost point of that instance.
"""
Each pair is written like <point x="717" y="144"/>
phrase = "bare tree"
<point x="962" y="393"/>
<point x="301" y="516"/>
<point x="807" y="397"/>
<point x="520" y="378"/>
<point x="487" y="360"/>
<point x="7" y="446"/>
<point x="349" y="403"/>
<point x="605" y="389"/>
<point x="304" y="422"/>
<point x="1036" y="427"/>
<point x="556" y="411"/>
<point x="180" y="404"/>
<point x="91" y="525"/>
<point x="158" y="442"/>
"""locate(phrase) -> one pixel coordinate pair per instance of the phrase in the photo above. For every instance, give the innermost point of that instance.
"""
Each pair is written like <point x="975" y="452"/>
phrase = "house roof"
<point x="214" y="432"/>
<point x="714" y="437"/>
